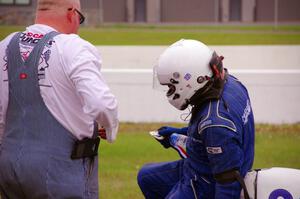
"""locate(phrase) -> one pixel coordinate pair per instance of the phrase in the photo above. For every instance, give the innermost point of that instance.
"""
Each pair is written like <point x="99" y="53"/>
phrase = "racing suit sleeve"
<point x="224" y="151"/>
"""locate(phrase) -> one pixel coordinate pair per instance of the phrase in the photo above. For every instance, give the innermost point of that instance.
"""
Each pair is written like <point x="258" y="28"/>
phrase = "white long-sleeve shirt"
<point x="71" y="84"/>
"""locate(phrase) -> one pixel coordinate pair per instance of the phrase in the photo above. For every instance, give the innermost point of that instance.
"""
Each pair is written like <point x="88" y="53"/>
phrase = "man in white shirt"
<point x="51" y="93"/>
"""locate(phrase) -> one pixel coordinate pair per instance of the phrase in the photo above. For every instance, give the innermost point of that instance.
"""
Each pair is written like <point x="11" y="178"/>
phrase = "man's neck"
<point x="52" y="21"/>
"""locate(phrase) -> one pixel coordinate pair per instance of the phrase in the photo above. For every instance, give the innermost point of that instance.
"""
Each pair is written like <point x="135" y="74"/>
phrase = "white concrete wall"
<point x="275" y="95"/>
<point x="273" y="81"/>
<point x="236" y="57"/>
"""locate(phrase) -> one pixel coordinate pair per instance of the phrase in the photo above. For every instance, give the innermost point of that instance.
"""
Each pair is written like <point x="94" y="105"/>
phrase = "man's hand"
<point x="175" y="140"/>
<point x="162" y="135"/>
<point x="167" y="131"/>
<point x="102" y="133"/>
<point x="163" y="140"/>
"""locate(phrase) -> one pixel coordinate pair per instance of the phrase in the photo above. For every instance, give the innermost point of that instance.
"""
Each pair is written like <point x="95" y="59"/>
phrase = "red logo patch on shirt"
<point x="23" y="76"/>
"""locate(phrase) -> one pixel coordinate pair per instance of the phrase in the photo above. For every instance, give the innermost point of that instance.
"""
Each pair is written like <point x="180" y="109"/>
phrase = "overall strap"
<point x="13" y="52"/>
<point x="15" y="62"/>
<point x="34" y="56"/>
<point x="23" y="75"/>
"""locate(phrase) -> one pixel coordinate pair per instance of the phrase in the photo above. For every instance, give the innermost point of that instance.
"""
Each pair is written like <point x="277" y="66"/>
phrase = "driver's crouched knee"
<point x="142" y="181"/>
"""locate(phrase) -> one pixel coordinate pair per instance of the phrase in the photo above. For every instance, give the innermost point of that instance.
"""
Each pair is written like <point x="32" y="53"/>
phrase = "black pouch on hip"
<point x="87" y="147"/>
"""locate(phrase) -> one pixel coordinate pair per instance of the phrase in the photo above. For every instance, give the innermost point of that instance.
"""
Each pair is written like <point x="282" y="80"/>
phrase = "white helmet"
<point x="185" y="68"/>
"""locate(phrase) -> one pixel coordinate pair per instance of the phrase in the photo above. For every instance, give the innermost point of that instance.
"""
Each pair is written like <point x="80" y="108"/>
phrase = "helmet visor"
<point x="155" y="82"/>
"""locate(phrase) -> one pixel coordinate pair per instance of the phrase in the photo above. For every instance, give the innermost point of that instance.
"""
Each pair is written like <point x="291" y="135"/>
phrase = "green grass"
<point x="120" y="162"/>
<point x="276" y="145"/>
<point x="120" y="34"/>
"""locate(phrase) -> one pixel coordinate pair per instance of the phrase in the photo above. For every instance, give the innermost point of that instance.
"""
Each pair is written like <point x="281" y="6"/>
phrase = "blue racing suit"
<point x="220" y="139"/>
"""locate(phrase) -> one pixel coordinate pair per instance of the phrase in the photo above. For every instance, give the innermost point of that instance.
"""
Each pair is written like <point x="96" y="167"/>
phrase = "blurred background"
<point x="165" y="11"/>
<point x="260" y="40"/>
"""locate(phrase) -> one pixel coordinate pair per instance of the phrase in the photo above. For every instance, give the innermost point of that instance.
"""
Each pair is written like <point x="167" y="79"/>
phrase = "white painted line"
<point x="128" y="70"/>
<point x="236" y="71"/>
<point x="265" y="71"/>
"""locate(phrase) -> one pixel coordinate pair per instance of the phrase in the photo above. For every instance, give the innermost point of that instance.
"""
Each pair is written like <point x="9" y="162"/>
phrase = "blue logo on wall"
<point x="282" y="193"/>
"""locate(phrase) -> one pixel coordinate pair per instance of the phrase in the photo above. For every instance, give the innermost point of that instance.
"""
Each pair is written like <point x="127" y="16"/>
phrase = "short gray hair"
<point x="43" y="5"/>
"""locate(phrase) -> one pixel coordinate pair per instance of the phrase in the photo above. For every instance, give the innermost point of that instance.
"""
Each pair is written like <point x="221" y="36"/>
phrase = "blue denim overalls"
<point x="35" y="154"/>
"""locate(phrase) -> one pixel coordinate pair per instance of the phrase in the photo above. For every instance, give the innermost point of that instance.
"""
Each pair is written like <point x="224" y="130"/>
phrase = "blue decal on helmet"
<point x="280" y="193"/>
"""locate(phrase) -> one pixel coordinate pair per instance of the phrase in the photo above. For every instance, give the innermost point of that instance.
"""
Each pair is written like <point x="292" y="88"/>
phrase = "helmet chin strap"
<point x="212" y="90"/>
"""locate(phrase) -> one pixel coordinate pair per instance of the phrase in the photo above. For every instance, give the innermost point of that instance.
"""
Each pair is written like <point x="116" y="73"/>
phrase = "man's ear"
<point x="70" y="15"/>
<point x="216" y="66"/>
